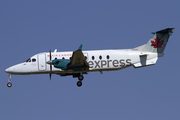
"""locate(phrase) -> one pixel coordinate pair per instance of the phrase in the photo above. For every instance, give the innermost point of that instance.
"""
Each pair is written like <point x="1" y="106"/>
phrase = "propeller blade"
<point x="50" y="54"/>
<point x="50" y="64"/>
<point x="50" y="70"/>
<point x="50" y="76"/>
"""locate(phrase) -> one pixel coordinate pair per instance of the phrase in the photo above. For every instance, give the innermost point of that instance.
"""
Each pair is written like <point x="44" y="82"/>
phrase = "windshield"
<point x="28" y="60"/>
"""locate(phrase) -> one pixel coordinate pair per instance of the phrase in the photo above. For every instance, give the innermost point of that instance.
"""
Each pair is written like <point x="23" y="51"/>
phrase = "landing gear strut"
<point x="9" y="84"/>
<point x="79" y="83"/>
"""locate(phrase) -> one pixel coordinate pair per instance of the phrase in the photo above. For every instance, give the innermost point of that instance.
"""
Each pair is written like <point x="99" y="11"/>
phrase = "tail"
<point x="150" y="52"/>
<point x="158" y="42"/>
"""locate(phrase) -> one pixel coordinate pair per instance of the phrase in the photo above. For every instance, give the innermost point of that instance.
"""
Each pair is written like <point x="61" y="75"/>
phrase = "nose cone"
<point x="8" y="70"/>
<point x="19" y="69"/>
<point x="12" y="69"/>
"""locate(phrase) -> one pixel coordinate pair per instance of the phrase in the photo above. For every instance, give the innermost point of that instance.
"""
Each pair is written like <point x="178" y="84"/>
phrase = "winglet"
<point x="80" y="48"/>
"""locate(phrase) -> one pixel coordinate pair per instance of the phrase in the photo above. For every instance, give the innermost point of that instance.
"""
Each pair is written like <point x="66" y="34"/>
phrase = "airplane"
<point x="78" y="63"/>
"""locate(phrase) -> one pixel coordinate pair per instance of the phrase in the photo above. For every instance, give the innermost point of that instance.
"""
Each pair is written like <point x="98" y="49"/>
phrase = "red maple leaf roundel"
<point x="157" y="43"/>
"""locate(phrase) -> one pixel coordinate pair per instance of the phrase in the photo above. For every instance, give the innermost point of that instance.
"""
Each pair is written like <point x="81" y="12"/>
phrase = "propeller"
<point x="50" y="63"/>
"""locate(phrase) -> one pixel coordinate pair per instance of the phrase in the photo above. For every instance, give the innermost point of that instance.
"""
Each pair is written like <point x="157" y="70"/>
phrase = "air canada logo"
<point x="157" y="43"/>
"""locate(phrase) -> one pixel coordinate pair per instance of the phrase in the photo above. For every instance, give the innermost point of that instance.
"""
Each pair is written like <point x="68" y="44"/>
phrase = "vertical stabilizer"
<point x="150" y="52"/>
<point x="158" y="42"/>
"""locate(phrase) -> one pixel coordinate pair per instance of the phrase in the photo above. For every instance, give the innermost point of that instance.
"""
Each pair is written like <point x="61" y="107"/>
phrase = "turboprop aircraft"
<point x="78" y="63"/>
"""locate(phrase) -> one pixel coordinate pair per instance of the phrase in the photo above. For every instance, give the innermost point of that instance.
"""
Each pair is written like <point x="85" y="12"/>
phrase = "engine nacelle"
<point x="61" y="63"/>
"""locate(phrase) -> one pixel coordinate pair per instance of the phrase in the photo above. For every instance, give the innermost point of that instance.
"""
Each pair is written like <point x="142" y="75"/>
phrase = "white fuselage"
<point x="81" y="62"/>
<point x="98" y="60"/>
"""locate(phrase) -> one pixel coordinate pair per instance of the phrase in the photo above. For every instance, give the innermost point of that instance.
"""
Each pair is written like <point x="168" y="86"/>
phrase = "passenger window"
<point x="93" y="58"/>
<point x="100" y="57"/>
<point x="33" y="60"/>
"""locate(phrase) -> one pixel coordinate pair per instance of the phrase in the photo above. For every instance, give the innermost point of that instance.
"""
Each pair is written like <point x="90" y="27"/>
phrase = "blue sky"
<point x="31" y="27"/>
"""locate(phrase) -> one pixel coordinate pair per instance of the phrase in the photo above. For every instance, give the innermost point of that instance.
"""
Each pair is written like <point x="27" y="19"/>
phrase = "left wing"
<point x="78" y="61"/>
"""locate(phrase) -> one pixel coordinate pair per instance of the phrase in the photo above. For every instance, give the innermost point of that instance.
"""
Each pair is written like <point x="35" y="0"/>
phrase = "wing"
<point x="78" y="61"/>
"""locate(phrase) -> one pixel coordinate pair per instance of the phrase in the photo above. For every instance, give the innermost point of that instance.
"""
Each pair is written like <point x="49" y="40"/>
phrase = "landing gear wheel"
<point x="79" y="83"/>
<point x="9" y="84"/>
<point x="81" y="77"/>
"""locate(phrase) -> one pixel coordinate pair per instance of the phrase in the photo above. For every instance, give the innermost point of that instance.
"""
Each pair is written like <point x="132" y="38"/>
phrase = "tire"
<point x="81" y="77"/>
<point x="9" y="84"/>
<point x="79" y="83"/>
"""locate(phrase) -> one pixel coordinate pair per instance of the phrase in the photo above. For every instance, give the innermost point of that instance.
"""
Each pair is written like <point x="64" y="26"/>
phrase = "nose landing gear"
<point x="9" y="84"/>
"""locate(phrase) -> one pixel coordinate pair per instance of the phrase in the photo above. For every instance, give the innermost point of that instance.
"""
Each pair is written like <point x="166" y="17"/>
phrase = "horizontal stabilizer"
<point x="145" y="62"/>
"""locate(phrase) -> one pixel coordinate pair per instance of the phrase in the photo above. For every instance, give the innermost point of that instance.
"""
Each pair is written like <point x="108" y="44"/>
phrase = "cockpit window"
<point x="29" y="60"/>
<point x="33" y="60"/>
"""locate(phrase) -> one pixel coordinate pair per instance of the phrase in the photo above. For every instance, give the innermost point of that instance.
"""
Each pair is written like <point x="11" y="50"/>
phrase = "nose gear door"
<point x="42" y="62"/>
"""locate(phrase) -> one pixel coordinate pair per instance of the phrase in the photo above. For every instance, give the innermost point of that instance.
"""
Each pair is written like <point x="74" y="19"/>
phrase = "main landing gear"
<point x="79" y="83"/>
<point x="9" y="84"/>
